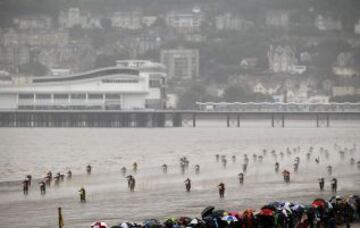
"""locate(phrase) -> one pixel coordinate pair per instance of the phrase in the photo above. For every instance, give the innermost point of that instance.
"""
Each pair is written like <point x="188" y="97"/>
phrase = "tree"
<point x="106" y="24"/>
<point x="235" y="94"/>
<point x="195" y="93"/>
<point x="33" y="69"/>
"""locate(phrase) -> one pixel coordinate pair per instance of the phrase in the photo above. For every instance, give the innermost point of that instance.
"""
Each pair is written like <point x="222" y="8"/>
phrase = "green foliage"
<point x="193" y="94"/>
<point x="33" y="69"/>
<point x="108" y="61"/>
<point x="235" y="94"/>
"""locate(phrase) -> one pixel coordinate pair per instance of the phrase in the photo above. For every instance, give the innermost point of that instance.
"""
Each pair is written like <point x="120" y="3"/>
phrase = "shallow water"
<point x="36" y="151"/>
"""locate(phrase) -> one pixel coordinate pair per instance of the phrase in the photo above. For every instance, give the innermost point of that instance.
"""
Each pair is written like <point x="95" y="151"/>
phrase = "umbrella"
<point x="99" y="225"/>
<point x="207" y="211"/>
<point x="124" y="225"/>
<point x="298" y="208"/>
<point x="266" y="212"/>
<point x="319" y="203"/>
<point x="229" y="218"/>
<point x="218" y="213"/>
<point x="152" y="223"/>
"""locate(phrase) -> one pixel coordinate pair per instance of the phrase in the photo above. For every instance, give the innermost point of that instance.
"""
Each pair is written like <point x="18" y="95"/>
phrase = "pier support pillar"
<point x="194" y="119"/>
<point x="228" y="120"/>
<point x="328" y="120"/>
<point x="177" y="120"/>
<point x="317" y="120"/>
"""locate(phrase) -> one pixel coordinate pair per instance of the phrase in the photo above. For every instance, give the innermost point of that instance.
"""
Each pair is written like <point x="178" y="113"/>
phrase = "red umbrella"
<point x="99" y="225"/>
<point x="266" y="212"/>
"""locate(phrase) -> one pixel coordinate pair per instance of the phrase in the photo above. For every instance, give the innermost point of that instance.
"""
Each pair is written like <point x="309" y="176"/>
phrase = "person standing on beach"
<point x="131" y="183"/>
<point x="221" y="188"/>
<point x="82" y="193"/>
<point x="69" y="175"/>
<point x="241" y="178"/>
<point x="334" y="185"/>
<point x="135" y="167"/>
<point x="277" y="166"/>
<point x="26" y="186"/>
<point x="88" y="169"/>
<point x="187" y="184"/>
<point x="42" y="187"/>
<point x="164" y="168"/>
<point x="197" y="169"/>
<point x="321" y="183"/>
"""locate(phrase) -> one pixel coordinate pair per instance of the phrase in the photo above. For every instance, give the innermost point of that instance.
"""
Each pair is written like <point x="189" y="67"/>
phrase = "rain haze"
<point x="180" y="113"/>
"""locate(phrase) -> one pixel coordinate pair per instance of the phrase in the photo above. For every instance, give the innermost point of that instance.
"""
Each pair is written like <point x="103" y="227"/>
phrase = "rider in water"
<point x="329" y="169"/>
<point x="131" y="182"/>
<point x="334" y="185"/>
<point x="82" y="193"/>
<point x="88" y="169"/>
<point x="42" y="187"/>
<point x="241" y="178"/>
<point x="26" y="186"/>
<point x="221" y="188"/>
<point x="187" y="184"/>
<point x="321" y="184"/>
<point x="233" y="158"/>
<point x="69" y="174"/>
<point x="244" y="167"/>
<point x="217" y="156"/>
<point x="135" y="167"/>
<point x="277" y="166"/>
<point x="197" y="169"/>
<point x="164" y="168"/>
<point x="29" y="177"/>
<point x="224" y="161"/>
<point x="123" y="170"/>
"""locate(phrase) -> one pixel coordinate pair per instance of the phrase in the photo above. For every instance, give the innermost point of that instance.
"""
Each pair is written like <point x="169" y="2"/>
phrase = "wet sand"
<point x="162" y="196"/>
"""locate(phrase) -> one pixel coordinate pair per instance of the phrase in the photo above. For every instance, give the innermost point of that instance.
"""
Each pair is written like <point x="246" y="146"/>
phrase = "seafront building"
<point x="181" y="64"/>
<point x="113" y="88"/>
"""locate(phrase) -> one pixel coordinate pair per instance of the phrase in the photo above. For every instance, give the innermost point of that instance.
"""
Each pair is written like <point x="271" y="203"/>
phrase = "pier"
<point x="161" y="118"/>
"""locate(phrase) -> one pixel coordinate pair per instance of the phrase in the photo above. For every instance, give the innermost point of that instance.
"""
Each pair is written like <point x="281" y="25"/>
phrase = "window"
<point x="26" y="96"/>
<point x="95" y="96"/>
<point x="154" y="83"/>
<point x="112" y="96"/>
<point x="79" y="96"/>
<point x="61" y="96"/>
<point x="43" y="96"/>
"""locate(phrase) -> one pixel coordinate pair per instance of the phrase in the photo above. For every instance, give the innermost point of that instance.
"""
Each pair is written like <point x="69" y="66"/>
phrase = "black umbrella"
<point x="218" y="214"/>
<point x="207" y="211"/>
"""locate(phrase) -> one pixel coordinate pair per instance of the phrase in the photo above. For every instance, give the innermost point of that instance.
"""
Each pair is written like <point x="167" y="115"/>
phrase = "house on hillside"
<point x="281" y="58"/>
<point x="277" y="18"/>
<point x="266" y="88"/>
<point x="327" y="23"/>
<point x="344" y="66"/>
<point x="249" y="63"/>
